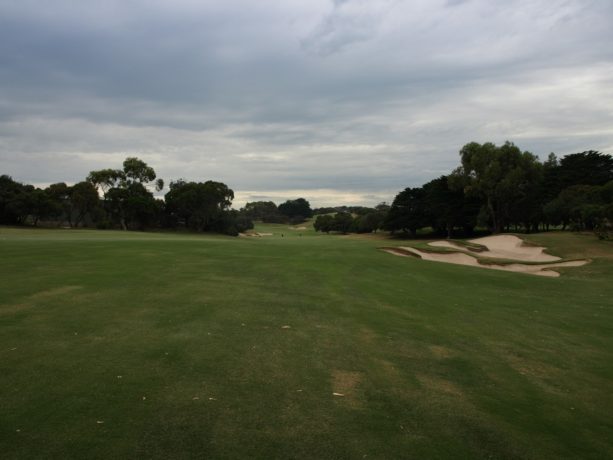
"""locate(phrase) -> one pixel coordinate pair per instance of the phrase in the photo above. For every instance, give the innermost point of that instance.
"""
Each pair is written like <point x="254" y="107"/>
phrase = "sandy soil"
<point x="499" y="247"/>
<point x="504" y="247"/>
<point x="465" y="259"/>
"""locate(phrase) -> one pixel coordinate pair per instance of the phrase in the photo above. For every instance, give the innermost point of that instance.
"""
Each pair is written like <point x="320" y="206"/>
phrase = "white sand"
<point x="512" y="247"/>
<point x="504" y="247"/>
<point x="499" y="247"/>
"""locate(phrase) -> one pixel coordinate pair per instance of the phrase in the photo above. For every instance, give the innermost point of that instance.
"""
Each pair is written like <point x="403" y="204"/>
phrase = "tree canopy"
<point x="201" y="205"/>
<point x="500" y="186"/>
<point x="296" y="210"/>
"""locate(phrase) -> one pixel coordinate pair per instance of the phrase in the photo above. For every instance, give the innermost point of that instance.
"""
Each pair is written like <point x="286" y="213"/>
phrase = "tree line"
<point x="495" y="187"/>
<point x="351" y="219"/>
<point x="503" y="188"/>
<point x="124" y="199"/>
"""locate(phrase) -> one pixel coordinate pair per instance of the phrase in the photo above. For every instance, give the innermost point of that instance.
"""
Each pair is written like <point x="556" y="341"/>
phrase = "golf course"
<point x="296" y="344"/>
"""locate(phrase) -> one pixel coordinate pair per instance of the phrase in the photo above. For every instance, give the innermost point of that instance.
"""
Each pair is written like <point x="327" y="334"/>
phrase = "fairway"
<point x="175" y="345"/>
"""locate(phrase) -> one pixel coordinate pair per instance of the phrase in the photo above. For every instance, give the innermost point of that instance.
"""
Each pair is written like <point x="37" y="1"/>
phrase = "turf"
<point x="152" y="345"/>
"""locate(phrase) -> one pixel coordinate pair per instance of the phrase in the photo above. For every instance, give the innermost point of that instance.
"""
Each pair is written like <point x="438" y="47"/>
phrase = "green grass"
<point x="176" y="343"/>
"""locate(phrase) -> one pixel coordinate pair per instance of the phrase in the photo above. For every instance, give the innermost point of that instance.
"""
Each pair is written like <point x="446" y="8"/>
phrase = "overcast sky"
<point x="338" y="101"/>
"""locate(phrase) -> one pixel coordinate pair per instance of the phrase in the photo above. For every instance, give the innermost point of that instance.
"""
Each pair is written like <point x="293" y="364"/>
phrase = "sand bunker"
<point x="507" y="247"/>
<point x="255" y="234"/>
<point x="504" y="247"/>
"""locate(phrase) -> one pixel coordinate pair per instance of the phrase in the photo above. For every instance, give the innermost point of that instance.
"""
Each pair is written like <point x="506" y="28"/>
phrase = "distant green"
<point x="162" y="345"/>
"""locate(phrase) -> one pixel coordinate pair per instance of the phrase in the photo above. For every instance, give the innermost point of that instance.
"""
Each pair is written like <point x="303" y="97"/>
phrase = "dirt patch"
<point x="344" y="385"/>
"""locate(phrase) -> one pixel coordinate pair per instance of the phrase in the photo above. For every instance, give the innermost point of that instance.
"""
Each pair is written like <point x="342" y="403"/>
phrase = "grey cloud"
<point x="350" y="22"/>
<point x="355" y="96"/>
<point x="456" y="2"/>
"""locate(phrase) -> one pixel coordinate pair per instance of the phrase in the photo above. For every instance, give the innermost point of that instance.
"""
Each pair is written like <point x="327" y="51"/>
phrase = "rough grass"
<point x="131" y="345"/>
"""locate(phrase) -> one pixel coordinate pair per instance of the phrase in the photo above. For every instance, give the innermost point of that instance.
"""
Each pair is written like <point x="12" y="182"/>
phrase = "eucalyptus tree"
<point x="503" y="176"/>
<point x="125" y="194"/>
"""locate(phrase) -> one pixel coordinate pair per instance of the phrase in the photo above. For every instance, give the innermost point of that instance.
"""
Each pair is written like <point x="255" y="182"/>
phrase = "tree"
<point x="125" y="194"/>
<point x="83" y="200"/>
<point x="296" y="210"/>
<point x="342" y="222"/>
<point x="136" y="170"/>
<point x="445" y="207"/>
<point x="585" y="168"/>
<point x="265" y="211"/>
<point x="408" y="211"/>
<point x="232" y="222"/>
<point x="201" y="206"/>
<point x="10" y="208"/>
<point x="106" y="179"/>
<point x="59" y="194"/>
<point x="583" y="207"/>
<point x="140" y="207"/>
<point x="40" y="204"/>
<point x="369" y="223"/>
<point x="324" y="223"/>
<point x="501" y="176"/>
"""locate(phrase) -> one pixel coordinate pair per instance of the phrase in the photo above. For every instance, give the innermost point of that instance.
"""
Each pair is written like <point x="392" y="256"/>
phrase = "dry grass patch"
<point x="368" y="336"/>
<point x="440" y="352"/>
<point x="345" y="385"/>
<point x="439" y="385"/>
<point x="37" y="298"/>
<point x="54" y="292"/>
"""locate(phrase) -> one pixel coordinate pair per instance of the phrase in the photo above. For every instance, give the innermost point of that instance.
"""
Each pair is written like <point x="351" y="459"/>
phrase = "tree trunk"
<point x="496" y="225"/>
